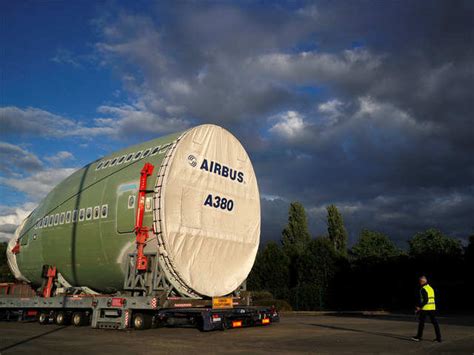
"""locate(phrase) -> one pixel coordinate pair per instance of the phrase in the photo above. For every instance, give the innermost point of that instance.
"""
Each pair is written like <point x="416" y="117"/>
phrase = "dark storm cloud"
<point x="367" y="105"/>
<point x="15" y="158"/>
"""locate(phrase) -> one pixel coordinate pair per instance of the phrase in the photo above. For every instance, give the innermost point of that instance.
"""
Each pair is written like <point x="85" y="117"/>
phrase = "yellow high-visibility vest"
<point x="431" y="305"/>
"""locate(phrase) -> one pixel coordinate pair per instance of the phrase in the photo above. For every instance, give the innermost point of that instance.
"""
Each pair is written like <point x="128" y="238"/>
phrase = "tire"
<point x="43" y="318"/>
<point x="61" y="318"/>
<point x="142" y="321"/>
<point x="79" y="319"/>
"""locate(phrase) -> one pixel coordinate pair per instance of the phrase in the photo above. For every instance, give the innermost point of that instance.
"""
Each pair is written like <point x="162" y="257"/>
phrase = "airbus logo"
<point x="222" y="170"/>
<point x="214" y="167"/>
<point x="192" y="160"/>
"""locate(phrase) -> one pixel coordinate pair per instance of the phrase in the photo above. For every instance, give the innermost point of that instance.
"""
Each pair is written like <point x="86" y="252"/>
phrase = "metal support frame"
<point x="50" y="276"/>
<point x="140" y="230"/>
<point x="152" y="282"/>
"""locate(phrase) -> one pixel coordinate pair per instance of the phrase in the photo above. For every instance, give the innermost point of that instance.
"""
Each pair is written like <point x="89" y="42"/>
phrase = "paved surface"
<point x="295" y="333"/>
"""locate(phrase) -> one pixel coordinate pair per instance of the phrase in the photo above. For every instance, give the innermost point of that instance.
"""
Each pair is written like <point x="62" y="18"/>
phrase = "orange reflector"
<point x="236" y="323"/>
<point x="266" y="321"/>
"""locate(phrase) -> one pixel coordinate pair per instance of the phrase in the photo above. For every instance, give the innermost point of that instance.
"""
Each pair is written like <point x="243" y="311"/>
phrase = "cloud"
<point x="289" y="125"/>
<point x="11" y="217"/>
<point x="120" y="120"/>
<point x="368" y="112"/>
<point x="59" y="157"/>
<point x="37" y="122"/>
<point x="22" y="171"/>
<point x="16" y="159"/>
<point x="352" y="66"/>
<point x="37" y="185"/>
<point x="138" y="119"/>
<point x="64" y="56"/>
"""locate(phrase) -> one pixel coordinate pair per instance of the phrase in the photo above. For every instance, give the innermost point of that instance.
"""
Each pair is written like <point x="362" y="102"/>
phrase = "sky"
<point x="367" y="105"/>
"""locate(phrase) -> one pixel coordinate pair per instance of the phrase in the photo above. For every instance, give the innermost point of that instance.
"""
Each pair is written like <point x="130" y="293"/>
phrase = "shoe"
<point x="437" y="341"/>
<point x="416" y="339"/>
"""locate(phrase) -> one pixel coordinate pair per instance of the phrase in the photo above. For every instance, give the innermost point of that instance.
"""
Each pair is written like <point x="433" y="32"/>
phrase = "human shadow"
<point x="388" y="335"/>
<point x="451" y="319"/>
<point x="32" y="338"/>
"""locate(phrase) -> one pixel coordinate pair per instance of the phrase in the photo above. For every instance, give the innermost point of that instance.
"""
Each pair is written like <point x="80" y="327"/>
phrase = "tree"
<point x="374" y="245"/>
<point x="5" y="274"/>
<point x="318" y="262"/>
<point x="336" y="231"/>
<point x="433" y="243"/>
<point x="270" y="271"/>
<point x="295" y="236"/>
<point x="470" y="250"/>
<point x="317" y="267"/>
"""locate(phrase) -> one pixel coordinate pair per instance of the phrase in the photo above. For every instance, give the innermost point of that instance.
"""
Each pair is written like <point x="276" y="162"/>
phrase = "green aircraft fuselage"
<point x="85" y="223"/>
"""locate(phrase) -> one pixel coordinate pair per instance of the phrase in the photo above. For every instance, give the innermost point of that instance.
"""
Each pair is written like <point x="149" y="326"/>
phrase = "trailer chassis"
<point x="147" y="301"/>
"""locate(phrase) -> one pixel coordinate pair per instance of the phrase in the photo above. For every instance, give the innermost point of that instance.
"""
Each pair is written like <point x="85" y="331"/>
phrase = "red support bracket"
<point x="51" y="274"/>
<point x="16" y="248"/>
<point x="141" y="232"/>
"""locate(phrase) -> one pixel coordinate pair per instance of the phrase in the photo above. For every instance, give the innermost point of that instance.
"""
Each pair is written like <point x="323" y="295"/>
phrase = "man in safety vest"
<point x="426" y="307"/>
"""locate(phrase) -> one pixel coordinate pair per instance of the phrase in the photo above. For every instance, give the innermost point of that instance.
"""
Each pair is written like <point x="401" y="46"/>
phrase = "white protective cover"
<point x="211" y="248"/>
<point x="11" y="258"/>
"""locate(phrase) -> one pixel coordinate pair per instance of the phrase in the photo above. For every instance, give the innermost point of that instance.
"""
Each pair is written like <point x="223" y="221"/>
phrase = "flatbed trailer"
<point x="146" y="301"/>
<point x="138" y="312"/>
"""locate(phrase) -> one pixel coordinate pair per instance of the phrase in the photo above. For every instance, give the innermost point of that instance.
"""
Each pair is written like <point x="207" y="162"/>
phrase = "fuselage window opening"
<point x="96" y="212"/>
<point x="99" y="165"/>
<point x="113" y="162"/>
<point x="148" y="204"/>
<point x="82" y="214"/>
<point x="56" y="219"/>
<point x="104" y="211"/>
<point x="122" y="158"/>
<point x="74" y="216"/>
<point x="106" y="164"/>
<point x="138" y="155"/>
<point x="89" y="213"/>
<point x="34" y="236"/>
<point x="129" y="157"/>
<point x="131" y="201"/>
<point x="164" y="148"/>
<point x="45" y="221"/>
<point x="37" y="224"/>
<point x="68" y="217"/>
<point x="40" y="225"/>
<point x="62" y="217"/>
<point x="155" y="150"/>
<point x="146" y="153"/>
<point x="51" y="219"/>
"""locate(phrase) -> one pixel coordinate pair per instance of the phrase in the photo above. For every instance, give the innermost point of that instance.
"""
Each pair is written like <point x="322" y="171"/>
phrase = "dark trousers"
<point x="421" y="324"/>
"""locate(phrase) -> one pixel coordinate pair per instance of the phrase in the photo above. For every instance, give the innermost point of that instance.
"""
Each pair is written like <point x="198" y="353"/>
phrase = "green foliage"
<point x="281" y="305"/>
<point x="271" y="271"/>
<point x="265" y="298"/>
<point x="318" y="263"/>
<point x="470" y="250"/>
<point x="258" y="295"/>
<point x="295" y="236"/>
<point x="374" y="246"/>
<point x="316" y="269"/>
<point x="308" y="297"/>
<point x="5" y="274"/>
<point x="336" y="231"/>
<point x="433" y="243"/>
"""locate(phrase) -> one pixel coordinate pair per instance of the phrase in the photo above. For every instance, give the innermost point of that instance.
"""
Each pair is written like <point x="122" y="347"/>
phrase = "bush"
<point x="281" y="305"/>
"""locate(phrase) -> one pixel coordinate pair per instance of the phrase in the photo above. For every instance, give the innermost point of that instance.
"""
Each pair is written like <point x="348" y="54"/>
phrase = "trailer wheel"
<point x="43" y="318"/>
<point x="61" y="318"/>
<point x="79" y="319"/>
<point x="142" y="321"/>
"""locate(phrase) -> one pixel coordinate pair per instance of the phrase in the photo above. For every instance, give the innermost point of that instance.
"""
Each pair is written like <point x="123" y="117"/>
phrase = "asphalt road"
<point x="295" y="333"/>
